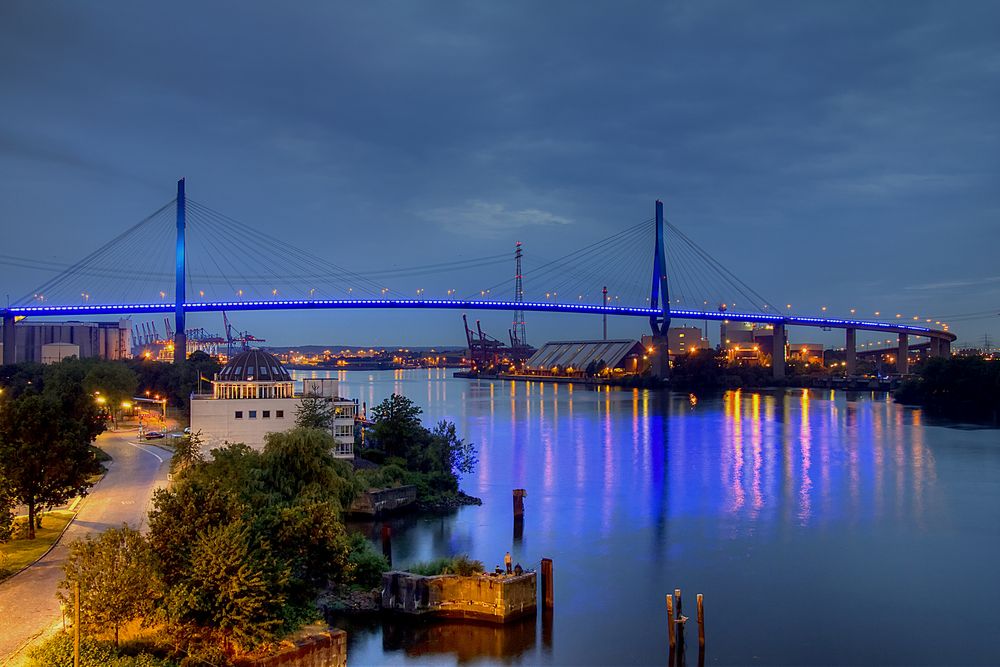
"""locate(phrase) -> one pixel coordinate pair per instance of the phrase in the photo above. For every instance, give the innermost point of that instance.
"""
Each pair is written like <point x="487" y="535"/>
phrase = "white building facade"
<point x="254" y="395"/>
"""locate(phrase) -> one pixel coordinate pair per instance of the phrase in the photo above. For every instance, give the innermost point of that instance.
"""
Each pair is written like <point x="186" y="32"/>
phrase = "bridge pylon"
<point x="659" y="299"/>
<point x="659" y="294"/>
<point x="180" y="290"/>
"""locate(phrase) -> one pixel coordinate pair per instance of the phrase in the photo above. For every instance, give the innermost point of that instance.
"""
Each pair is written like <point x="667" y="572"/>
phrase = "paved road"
<point x="28" y="603"/>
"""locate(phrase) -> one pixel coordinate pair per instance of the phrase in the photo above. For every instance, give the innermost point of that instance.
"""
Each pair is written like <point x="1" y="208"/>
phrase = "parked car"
<point x="154" y="435"/>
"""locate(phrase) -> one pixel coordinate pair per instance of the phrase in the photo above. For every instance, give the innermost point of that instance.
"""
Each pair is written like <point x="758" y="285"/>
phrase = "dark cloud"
<point x="814" y="148"/>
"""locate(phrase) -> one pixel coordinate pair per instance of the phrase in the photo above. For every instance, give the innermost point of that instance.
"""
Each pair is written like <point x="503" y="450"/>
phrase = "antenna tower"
<point x="518" y="328"/>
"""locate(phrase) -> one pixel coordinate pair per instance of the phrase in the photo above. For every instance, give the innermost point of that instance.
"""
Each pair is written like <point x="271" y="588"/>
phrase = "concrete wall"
<point x="480" y="597"/>
<point x="377" y="501"/>
<point x="326" y="649"/>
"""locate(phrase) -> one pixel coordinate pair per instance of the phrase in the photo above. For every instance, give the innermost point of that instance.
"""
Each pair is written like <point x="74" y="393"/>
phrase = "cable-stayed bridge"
<point x="222" y="264"/>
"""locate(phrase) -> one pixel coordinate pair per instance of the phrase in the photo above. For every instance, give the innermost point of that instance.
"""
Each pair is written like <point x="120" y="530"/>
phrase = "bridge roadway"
<point x="940" y="340"/>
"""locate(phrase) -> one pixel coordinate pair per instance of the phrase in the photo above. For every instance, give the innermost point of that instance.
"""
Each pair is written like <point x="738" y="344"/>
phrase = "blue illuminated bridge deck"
<point x="535" y="306"/>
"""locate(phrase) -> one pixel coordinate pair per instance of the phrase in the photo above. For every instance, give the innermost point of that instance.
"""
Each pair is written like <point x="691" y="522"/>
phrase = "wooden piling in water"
<point x="677" y="605"/>
<point x="387" y="542"/>
<point x="519" y="495"/>
<point x="701" y="621"/>
<point x="670" y="621"/>
<point x="547" y="597"/>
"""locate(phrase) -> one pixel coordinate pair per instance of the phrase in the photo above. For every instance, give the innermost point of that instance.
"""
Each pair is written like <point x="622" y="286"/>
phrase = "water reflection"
<point x="634" y="492"/>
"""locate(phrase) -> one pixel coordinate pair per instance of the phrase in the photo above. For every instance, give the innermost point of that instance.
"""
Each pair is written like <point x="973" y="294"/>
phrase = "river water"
<point x="822" y="527"/>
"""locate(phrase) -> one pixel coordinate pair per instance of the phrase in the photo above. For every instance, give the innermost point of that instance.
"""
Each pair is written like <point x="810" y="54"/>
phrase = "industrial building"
<point x="254" y="395"/>
<point x="48" y="342"/>
<point x="567" y="358"/>
<point x="683" y="340"/>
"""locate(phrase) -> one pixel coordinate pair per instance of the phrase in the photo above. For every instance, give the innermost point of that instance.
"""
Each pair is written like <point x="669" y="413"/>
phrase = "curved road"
<point x="28" y="603"/>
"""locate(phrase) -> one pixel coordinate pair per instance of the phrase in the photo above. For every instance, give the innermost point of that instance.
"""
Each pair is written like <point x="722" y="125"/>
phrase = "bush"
<point x="461" y="565"/>
<point x="58" y="652"/>
<point x="373" y="455"/>
<point x="366" y="564"/>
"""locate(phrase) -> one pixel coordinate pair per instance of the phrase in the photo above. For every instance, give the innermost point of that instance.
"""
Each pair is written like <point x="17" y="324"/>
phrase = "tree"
<point x="231" y="587"/>
<point x="461" y="455"/>
<point x="314" y="412"/>
<point x="187" y="453"/>
<point x="45" y="455"/>
<point x="116" y="577"/>
<point x="299" y="464"/>
<point x="6" y="511"/>
<point x="115" y="381"/>
<point x="396" y="425"/>
<point x="63" y="383"/>
<point x="180" y="514"/>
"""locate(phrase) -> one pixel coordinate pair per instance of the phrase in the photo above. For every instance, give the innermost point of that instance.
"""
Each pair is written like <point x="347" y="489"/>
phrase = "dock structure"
<point x="482" y="597"/>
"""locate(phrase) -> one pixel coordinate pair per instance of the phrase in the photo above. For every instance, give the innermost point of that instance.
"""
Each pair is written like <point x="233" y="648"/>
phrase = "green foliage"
<point x="187" y="453"/>
<point x="45" y="453"/>
<point x="461" y="565"/>
<point x="114" y="380"/>
<point x="280" y="510"/>
<point x="703" y="369"/>
<point x="7" y="501"/>
<point x="300" y="463"/>
<point x="174" y="381"/>
<point x="58" y="652"/>
<point x="366" y="564"/>
<point x="180" y="514"/>
<point x="116" y="577"/>
<point x="966" y="385"/>
<point x="396" y="425"/>
<point x="432" y="459"/>
<point x="383" y="477"/>
<point x="18" y="379"/>
<point x="314" y="412"/>
<point x="231" y="589"/>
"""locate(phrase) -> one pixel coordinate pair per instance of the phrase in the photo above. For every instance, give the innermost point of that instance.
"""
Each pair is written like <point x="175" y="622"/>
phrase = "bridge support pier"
<point x="940" y="348"/>
<point x="778" y="352"/>
<point x="903" y="355"/>
<point x="659" y="358"/>
<point x="9" y="340"/>
<point x="851" y="352"/>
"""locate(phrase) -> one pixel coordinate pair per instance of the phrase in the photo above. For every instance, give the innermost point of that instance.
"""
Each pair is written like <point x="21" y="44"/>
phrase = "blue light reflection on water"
<point x="821" y="527"/>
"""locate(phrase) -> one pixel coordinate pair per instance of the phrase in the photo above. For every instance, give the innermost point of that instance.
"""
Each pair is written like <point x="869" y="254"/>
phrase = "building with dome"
<point x="254" y="395"/>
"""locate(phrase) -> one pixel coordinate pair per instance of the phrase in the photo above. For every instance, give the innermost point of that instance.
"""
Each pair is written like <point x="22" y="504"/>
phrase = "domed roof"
<point x="254" y="366"/>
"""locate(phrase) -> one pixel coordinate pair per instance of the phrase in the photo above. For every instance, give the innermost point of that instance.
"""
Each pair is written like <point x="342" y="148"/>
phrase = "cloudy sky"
<point x="844" y="155"/>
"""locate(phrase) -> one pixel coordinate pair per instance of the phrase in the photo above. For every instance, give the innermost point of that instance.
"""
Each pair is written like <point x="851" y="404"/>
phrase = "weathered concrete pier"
<point x="481" y="597"/>
<point x="375" y="502"/>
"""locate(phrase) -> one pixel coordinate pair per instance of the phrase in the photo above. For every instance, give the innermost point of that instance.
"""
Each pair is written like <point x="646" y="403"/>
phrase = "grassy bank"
<point x="22" y="552"/>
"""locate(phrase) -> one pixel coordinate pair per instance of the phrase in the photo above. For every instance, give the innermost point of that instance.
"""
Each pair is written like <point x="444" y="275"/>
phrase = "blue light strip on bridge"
<point x="536" y="306"/>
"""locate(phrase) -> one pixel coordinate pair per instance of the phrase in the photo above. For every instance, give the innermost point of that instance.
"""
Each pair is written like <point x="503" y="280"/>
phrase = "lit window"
<point x="239" y="414"/>
<point x="266" y="414"/>
<point x="279" y="414"/>
<point x="253" y="414"/>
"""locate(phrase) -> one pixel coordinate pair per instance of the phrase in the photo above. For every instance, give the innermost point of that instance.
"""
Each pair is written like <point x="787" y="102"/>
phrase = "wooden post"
<point x="387" y="542"/>
<point x="519" y="495"/>
<point x="547" y="598"/>
<point x="670" y="621"/>
<point x="680" y="627"/>
<point x="76" y="624"/>
<point x="701" y="621"/>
